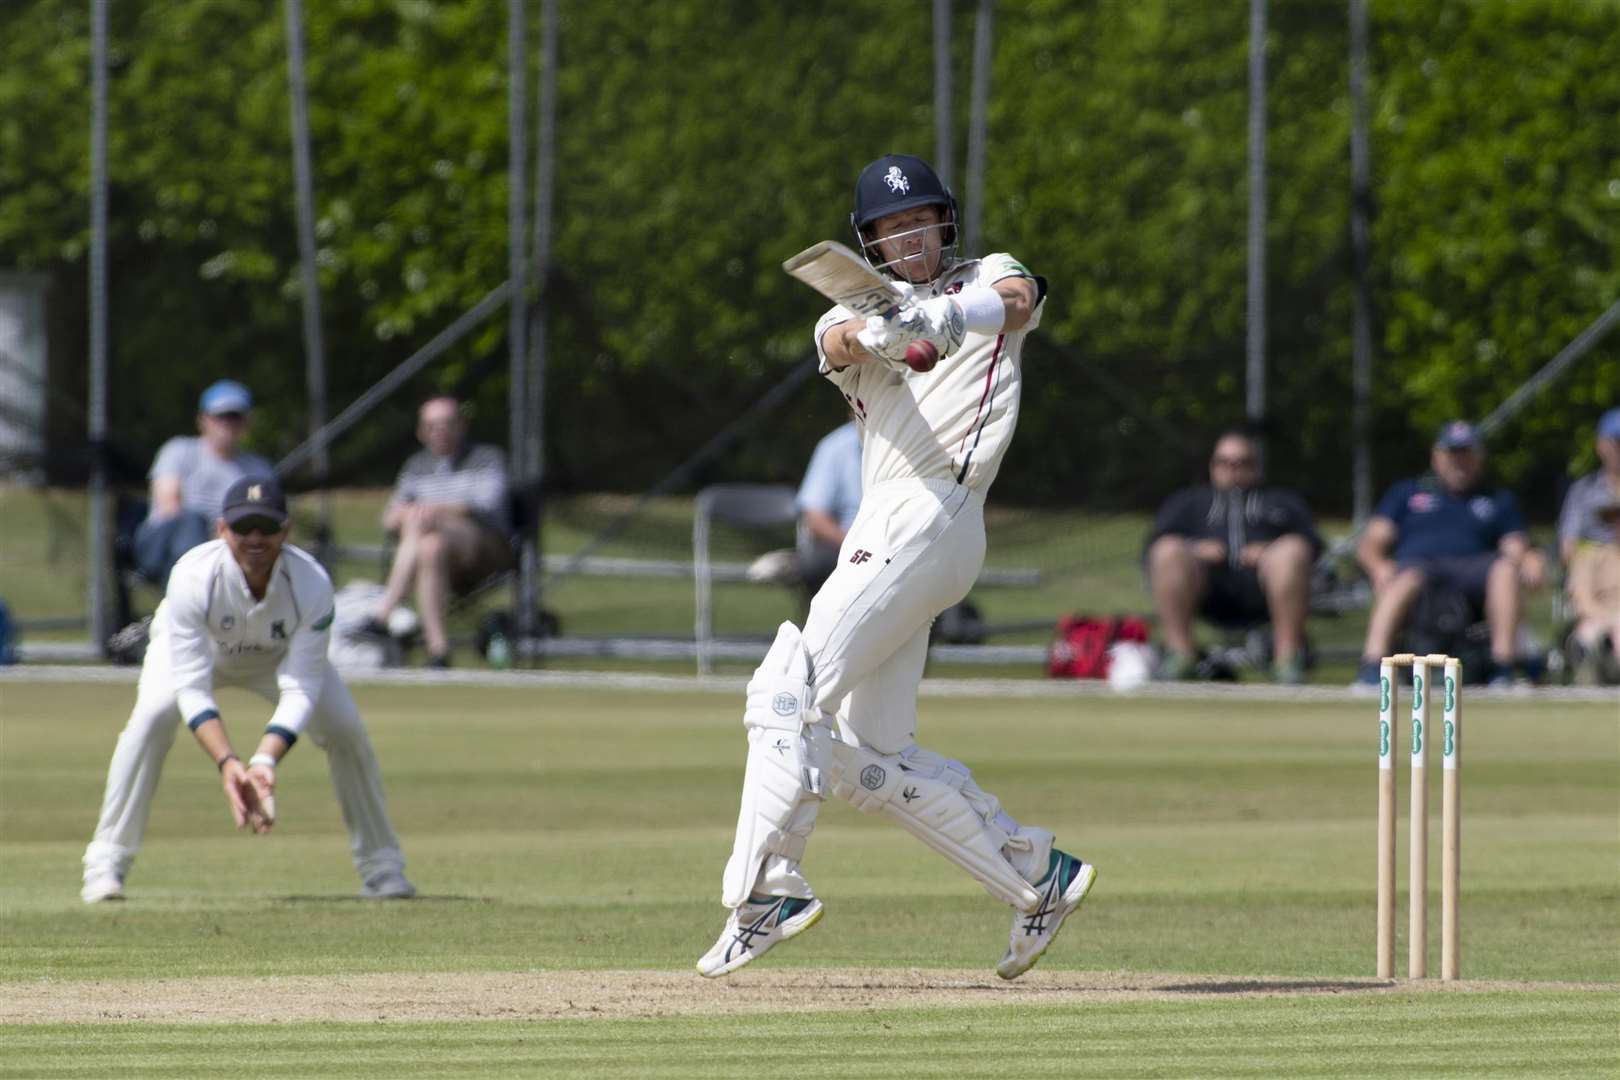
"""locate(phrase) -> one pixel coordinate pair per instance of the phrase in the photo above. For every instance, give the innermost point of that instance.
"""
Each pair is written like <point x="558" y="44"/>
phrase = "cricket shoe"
<point x="756" y="926"/>
<point x="1062" y="891"/>
<point x="387" y="885"/>
<point x="102" y="886"/>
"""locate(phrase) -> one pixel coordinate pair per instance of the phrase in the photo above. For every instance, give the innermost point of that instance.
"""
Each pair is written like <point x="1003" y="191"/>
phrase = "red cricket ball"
<point x="922" y="356"/>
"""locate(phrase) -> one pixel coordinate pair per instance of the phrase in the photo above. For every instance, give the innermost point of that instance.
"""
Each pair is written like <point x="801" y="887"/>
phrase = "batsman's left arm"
<point x="1019" y="297"/>
<point x="1005" y="306"/>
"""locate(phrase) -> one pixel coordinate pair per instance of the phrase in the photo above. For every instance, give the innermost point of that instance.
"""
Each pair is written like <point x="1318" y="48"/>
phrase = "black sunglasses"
<point x="248" y="526"/>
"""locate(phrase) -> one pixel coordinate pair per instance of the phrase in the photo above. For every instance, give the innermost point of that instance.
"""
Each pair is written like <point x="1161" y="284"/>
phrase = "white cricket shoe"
<point x="1062" y="891"/>
<point x="100" y="886"/>
<point x="387" y="885"/>
<point x="756" y="926"/>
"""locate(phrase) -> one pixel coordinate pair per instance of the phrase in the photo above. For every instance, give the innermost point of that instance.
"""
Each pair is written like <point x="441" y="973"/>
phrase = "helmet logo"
<point x="896" y="180"/>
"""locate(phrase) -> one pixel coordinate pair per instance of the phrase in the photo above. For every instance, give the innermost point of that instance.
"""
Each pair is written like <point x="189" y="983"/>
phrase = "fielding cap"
<point x="255" y="497"/>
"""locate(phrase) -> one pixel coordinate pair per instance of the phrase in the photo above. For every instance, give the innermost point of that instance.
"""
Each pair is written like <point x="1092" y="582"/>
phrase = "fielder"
<point x="248" y="610"/>
<point x="834" y="708"/>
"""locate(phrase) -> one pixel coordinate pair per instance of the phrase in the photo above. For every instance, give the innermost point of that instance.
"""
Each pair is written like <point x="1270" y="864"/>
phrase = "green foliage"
<point x="699" y="144"/>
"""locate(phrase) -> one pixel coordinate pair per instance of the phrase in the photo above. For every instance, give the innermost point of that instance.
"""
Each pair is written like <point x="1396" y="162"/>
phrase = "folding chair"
<point x="750" y="506"/>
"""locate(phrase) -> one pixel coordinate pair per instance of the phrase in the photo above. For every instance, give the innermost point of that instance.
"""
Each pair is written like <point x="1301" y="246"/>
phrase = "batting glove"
<point x="887" y="339"/>
<point x="939" y="321"/>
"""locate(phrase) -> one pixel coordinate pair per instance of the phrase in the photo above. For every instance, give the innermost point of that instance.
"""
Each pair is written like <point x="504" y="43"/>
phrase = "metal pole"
<point x="100" y="549"/>
<point x="314" y="345"/>
<point x="1361" y="478"/>
<point x="1535" y="384"/>
<point x="517" y="261"/>
<point x="1256" y="385"/>
<point x="978" y="121"/>
<point x="943" y="140"/>
<point x="405" y="370"/>
<point x="540" y="256"/>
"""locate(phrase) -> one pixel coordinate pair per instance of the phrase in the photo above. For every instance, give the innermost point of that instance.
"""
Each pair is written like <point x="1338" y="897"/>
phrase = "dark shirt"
<point x="1236" y="517"/>
<point x="1432" y="523"/>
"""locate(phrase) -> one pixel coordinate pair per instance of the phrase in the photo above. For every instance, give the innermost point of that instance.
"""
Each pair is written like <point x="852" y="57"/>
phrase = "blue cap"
<point x="1458" y="435"/>
<point x="1609" y="425"/>
<point x="225" y="396"/>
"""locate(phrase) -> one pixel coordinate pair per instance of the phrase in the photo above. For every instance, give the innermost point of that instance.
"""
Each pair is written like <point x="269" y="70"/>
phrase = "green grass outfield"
<point x="568" y="845"/>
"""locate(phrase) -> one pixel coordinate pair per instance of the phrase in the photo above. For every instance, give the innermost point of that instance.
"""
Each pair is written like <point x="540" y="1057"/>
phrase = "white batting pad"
<point x="779" y="692"/>
<point x="779" y="804"/>
<point x="929" y="803"/>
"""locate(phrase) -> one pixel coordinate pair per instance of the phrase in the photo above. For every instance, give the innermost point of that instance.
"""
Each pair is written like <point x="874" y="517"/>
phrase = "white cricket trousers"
<point x="914" y="549"/>
<point x="137" y="765"/>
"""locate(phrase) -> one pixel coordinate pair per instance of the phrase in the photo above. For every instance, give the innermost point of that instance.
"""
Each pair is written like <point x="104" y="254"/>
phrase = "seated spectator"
<point x="828" y="498"/>
<point x="1234" y="552"/>
<point x="1589" y="542"/>
<point x="450" y="510"/>
<point x="190" y="477"/>
<point x="1449" y="530"/>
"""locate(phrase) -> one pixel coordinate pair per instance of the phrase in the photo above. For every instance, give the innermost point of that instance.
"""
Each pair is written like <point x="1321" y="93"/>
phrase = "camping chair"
<point x="750" y="506"/>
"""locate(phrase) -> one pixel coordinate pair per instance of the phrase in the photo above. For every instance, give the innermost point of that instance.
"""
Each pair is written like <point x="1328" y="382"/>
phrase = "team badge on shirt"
<point x="1482" y="507"/>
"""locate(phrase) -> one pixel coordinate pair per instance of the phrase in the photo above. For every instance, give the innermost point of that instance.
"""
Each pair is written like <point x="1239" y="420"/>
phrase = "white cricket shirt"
<point x="954" y="422"/>
<point x="213" y="625"/>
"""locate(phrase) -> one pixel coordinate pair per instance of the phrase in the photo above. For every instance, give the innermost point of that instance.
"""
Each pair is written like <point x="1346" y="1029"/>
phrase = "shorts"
<point x="475" y="552"/>
<point x="1464" y="573"/>
<point x="1594" y="581"/>
<point x="1234" y="596"/>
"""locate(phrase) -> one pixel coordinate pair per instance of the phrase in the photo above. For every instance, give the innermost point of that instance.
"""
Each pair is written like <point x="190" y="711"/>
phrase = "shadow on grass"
<point x="1277" y="986"/>
<point x="353" y="898"/>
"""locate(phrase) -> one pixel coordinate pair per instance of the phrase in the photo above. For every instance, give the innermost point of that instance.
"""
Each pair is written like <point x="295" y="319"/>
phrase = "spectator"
<point x="828" y="499"/>
<point x="1234" y="552"/>
<point x="189" y="479"/>
<point x="450" y="510"/>
<point x="1450" y="531"/>
<point x="1589" y="543"/>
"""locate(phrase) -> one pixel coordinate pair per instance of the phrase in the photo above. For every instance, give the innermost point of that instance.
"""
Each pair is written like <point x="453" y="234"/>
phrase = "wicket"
<point x="1418" y="842"/>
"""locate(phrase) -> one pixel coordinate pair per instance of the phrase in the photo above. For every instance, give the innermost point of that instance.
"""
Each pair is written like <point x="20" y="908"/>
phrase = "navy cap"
<point x="1609" y="425"/>
<point x="1458" y="435"/>
<point x="255" y="497"/>
<point x="225" y="396"/>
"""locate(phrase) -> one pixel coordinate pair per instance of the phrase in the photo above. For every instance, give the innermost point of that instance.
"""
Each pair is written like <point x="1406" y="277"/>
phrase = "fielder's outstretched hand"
<point x="264" y="782"/>
<point x="240" y="791"/>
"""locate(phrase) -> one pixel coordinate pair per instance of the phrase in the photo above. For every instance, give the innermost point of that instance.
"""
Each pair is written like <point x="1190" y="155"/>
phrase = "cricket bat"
<point x="842" y="276"/>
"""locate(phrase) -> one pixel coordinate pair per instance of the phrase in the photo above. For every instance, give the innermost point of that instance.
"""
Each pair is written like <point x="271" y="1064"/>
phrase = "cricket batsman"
<point x="934" y="385"/>
<point x="247" y="609"/>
